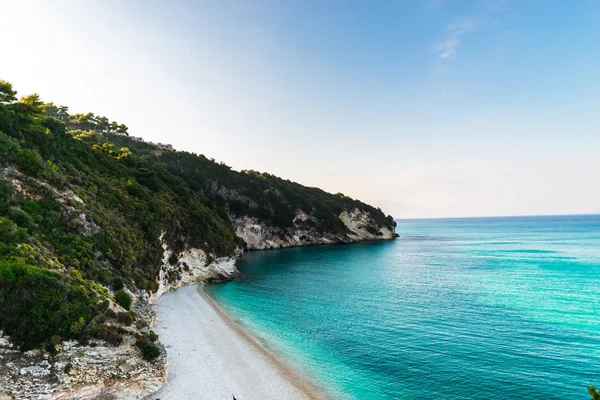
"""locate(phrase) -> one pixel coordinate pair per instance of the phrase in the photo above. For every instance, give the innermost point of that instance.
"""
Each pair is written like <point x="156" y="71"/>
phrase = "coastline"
<point x="211" y="356"/>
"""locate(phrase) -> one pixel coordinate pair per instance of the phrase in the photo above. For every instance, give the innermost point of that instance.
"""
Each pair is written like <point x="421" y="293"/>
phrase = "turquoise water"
<point x="485" y="308"/>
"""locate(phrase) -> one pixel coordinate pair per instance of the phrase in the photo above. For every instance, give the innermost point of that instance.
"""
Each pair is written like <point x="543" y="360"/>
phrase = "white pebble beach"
<point x="210" y="356"/>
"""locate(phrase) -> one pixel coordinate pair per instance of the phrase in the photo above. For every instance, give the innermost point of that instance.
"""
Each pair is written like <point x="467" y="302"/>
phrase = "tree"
<point x="122" y="129"/>
<point x="89" y="117"/>
<point x="7" y="93"/>
<point x="34" y="102"/>
<point x="58" y="112"/>
<point x="102" y="124"/>
<point x="86" y="121"/>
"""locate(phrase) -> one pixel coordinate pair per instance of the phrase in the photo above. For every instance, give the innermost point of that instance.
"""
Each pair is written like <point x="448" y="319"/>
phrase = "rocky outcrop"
<point x="95" y="371"/>
<point x="363" y="227"/>
<point x="357" y="226"/>
<point x="189" y="266"/>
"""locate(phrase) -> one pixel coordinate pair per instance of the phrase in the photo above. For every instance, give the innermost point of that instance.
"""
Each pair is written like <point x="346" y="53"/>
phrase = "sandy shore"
<point x="209" y="356"/>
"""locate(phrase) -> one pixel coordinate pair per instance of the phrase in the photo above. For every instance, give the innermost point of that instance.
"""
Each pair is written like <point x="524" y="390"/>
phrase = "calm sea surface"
<point x="480" y="308"/>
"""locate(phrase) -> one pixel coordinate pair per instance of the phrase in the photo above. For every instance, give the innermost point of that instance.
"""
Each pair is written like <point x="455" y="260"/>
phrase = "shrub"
<point x="29" y="161"/>
<point x="140" y="324"/>
<point x="123" y="299"/>
<point x="20" y="217"/>
<point x="118" y="284"/>
<point x="108" y="334"/>
<point x="149" y="350"/>
<point x="124" y="318"/>
<point x="10" y="232"/>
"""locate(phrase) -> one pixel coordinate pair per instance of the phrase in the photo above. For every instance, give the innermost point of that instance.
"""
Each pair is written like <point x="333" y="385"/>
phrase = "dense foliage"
<point x="251" y="193"/>
<point x="38" y="304"/>
<point x="83" y="206"/>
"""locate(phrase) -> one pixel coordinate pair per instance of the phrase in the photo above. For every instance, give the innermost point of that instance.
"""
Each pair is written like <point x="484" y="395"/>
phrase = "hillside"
<point x="95" y="225"/>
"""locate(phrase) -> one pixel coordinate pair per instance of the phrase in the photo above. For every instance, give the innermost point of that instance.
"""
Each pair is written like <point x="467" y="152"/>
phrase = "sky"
<point x="431" y="108"/>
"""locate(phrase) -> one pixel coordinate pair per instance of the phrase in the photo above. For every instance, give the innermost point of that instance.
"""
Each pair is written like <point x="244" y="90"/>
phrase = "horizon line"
<point x="502" y="216"/>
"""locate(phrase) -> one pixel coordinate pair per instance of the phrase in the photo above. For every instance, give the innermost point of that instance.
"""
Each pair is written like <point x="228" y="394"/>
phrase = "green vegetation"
<point x="149" y="350"/>
<point x="595" y="395"/>
<point x="38" y="304"/>
<point x="83" y="206"/>
<point x="123" y="299"/>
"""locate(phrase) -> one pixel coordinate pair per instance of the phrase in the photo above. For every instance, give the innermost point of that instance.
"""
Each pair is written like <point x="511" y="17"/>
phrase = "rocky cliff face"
<point x="359" y="226"/>
<point x="189" y="266"/>
<point x="95" y="371"/>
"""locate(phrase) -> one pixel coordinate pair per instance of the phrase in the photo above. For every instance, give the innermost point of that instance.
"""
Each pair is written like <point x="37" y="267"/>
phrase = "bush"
<point x="20" y="217"/>
<point x="140" y="324"/>
<point x="123" y="299"/>
<point x="29" y="161"/>
<point x="68" y="367"/>
<point x="149" y="350"/>
<point x="108" y="334"/>
<point x="124" y="318"/>
<point x="118" y="284"/>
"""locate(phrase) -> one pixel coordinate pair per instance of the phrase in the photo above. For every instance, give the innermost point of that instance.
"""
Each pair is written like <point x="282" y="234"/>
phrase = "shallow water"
<point x="500" y="308"/>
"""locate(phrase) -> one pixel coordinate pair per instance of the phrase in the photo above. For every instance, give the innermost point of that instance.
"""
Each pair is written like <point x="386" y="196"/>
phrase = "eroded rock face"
<point x="189" y="266"/>
<point x="304" y="232"/>
<point x="79" y="372"/>
<point x="363" y="227"/>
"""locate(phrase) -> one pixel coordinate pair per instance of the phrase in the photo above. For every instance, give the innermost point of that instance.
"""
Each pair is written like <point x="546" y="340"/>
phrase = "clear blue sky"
<point x="425" y="108"/>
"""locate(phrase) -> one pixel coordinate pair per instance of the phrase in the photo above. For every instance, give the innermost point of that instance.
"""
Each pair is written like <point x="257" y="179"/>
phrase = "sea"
<point x="465" y="308"/>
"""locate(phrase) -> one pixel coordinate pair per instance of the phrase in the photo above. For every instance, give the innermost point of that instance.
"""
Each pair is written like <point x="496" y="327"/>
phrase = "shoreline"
<point x="279" y="363"/>
<point x="210" y="356"/>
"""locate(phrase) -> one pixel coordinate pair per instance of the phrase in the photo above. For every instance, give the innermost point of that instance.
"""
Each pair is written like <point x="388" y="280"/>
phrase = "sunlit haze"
<point x="424" y="108"/>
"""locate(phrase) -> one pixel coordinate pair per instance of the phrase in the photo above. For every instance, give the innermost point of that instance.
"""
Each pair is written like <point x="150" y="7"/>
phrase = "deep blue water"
<point x="481" y="308"/>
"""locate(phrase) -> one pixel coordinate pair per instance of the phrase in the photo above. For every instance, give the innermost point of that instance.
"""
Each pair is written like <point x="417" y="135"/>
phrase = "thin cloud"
<point x="448" y="48"/>
<point x="455" y="33"/>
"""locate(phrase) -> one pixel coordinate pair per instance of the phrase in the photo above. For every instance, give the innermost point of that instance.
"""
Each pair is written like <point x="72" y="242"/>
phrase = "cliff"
<point x="95" y="226"/>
